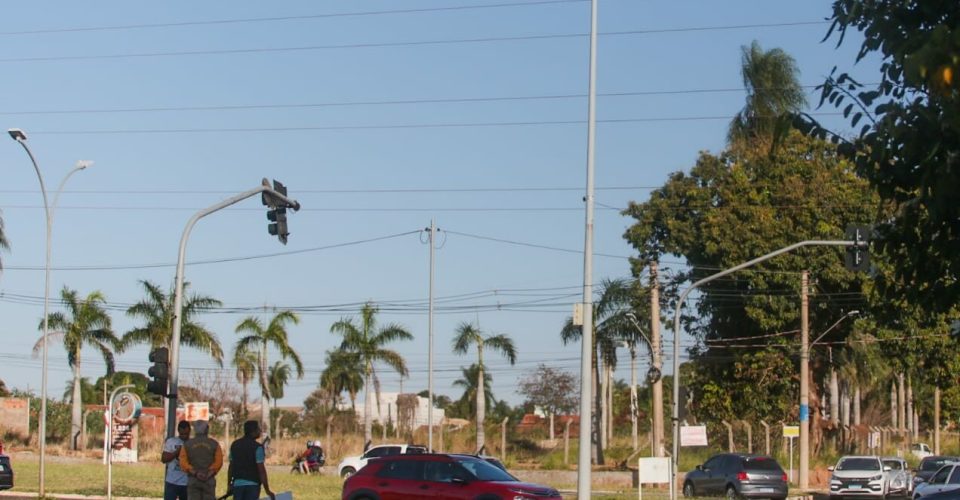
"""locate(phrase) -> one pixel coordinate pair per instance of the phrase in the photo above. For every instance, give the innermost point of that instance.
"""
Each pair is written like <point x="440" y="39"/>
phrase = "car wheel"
<point x="347" y="472"/>
<point x="732" y="493"/>
<point x="688" y="490"/>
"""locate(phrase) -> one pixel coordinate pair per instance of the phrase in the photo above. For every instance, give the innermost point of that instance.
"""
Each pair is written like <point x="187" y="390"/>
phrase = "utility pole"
<point x="586" y="338"/>
<point x="804" y="382"/>
<point x="433" y="231"/>
<point x="656" y="348"/>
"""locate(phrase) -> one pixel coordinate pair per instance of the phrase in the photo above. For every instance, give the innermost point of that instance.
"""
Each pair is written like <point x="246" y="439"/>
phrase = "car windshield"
<point x="761" y="464"/>
<point x="933" y="465"/>
<point x="893" y="464"/>
<point x="484" y="471"/>
<point x="859" y="464"/>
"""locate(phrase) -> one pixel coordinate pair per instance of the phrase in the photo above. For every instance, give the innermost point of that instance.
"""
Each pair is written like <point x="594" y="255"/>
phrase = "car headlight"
<point x="877" y="477"/>
<point x="835" y="481"/>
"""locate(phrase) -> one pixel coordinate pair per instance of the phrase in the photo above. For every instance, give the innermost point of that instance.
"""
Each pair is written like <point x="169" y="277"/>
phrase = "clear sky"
<point x="379" y="116"/>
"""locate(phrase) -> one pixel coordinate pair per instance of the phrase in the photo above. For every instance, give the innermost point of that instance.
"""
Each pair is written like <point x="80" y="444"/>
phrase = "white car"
<point x="350" y="465"/>
<point x="861" y="476"/>
<point x="899" y="479"/>
<point x="945" y="479"/>
<point x="920" y="450"/>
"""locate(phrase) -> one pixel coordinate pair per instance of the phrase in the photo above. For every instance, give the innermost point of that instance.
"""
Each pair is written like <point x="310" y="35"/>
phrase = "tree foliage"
<point x="553" y="390"/>
<point x="908" y="145"/>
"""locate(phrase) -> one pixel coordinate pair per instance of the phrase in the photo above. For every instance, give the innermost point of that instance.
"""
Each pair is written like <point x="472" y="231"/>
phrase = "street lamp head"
<point x="855" y="312"/>
<point x="17" y="134"/>
<point x="82" y="164"/>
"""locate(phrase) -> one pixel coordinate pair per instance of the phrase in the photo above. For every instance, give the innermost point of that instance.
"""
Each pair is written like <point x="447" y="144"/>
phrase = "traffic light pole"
<point x="171" y="407"/>
<point x="804" y="409"/>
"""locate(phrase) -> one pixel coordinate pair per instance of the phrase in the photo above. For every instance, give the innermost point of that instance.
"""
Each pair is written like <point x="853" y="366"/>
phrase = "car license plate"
<point x="766" y="490"/>
<point x="855" y="486"/>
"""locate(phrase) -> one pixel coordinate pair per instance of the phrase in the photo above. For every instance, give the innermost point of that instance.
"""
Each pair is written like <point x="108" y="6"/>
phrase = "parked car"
<point x="858" y="476"/>
<point x="6" y="471"/>
<point x="737" y="475"/>
<point x="947" y="478"/>
<point x="351" y="465"/>
<point x="438" y="476"/>
<point x="921" y="450"/>
<point x="929" y="466"/>
<point x="899" y="479"/>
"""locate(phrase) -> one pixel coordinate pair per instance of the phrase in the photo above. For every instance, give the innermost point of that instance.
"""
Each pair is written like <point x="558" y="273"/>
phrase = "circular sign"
<point x="653" y="375"/>
<point x="126" y="408"/>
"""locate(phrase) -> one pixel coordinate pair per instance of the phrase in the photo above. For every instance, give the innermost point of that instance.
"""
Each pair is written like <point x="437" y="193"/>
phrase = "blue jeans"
<point x="246" y="492"/>
<point x="174" y="491"/>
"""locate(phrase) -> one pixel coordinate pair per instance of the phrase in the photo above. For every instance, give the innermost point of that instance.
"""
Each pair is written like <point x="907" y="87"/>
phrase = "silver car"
<point x="899" y="479"/>
<point x="861" y="476"/>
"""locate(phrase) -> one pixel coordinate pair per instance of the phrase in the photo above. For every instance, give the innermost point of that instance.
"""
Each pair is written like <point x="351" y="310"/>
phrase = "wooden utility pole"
<point x="657" y="361"/>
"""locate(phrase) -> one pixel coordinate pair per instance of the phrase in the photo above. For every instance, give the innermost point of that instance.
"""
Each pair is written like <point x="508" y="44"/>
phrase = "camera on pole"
<point x="277" y="210"/>
<point x="159" y="372"/>
<point x="857" y="257"/>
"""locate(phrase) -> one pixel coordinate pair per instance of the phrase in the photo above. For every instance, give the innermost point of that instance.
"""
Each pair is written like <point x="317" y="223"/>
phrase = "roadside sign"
<point x="791" y="431"/>
<point x="197" y="411"/>
<point x="693" y="435"/>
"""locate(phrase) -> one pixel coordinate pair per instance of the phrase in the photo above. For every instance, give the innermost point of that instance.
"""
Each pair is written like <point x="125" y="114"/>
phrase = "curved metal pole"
<point x="48" y="214"/>
<point x="676" y="336"/>
<point x="171" y="407"/>
<point x="109" y="411"/>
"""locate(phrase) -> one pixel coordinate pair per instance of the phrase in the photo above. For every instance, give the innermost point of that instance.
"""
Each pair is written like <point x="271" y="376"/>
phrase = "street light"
<point x="19" y="136"/>
<point x="825" y="332"/>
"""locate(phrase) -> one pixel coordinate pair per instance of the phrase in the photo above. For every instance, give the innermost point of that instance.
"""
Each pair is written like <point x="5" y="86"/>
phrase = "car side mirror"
<point x="699" y="467"/>
<point x="831" y="468"/>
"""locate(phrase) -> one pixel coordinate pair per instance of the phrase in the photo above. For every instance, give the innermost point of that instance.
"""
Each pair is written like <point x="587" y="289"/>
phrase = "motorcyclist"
<point x="312" y="458"/>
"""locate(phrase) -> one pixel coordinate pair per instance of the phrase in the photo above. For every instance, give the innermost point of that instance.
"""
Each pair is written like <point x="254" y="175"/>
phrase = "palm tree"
<point x="611" y="326"/>
<point x="258" y="339"/>
<point x="246" y="364"/>
<point x="343" y="373"/>
<point x="367" y="343"/>
<point x="88" y="391"/>
<point x="774" y="94"/>
<point x="277" y="378"/>
<point x="156" y="309"/>
<point x="467" y="335"/>
<point x="4" y="244"/>
<point x="469" y="384"/>
<point x="84" y="322"/>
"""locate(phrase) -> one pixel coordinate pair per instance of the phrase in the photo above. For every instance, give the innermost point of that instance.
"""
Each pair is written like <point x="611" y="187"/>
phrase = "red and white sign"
<point x="196" y="411"/>
<point x="693" y="435"/>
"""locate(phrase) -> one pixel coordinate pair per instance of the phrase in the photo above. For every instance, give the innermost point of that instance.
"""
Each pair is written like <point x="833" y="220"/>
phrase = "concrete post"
<point x="503" y="439"/>
<point x="730" y="446"/>
<point x="766" y="440"/>
<point x="566" y="442"/>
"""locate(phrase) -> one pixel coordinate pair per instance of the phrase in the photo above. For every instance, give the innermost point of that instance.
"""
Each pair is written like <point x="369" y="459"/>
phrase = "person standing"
<point x="201" y="458"/>
<point x="246" y="472"/>
<point x="175" y="480"/>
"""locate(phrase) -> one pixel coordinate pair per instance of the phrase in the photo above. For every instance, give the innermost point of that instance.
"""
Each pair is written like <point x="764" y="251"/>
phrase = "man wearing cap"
<point x="175" y="480"/>
<point x="247" y="472"/>
<point x="201" y="458"/>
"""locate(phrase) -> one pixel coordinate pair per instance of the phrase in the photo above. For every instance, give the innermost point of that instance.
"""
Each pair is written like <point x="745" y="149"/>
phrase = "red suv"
<point x="443" y="477"/>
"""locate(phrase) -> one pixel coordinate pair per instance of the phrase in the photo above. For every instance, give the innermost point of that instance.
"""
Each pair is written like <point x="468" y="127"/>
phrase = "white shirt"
<point x="175" y="474"/>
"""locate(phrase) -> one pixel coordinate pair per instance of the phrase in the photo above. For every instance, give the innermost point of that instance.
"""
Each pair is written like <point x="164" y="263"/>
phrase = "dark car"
<point x="737" y="475"/>
<point x="6" y="472"/>
<point x="409" y="477"/>
<point x="929" y="465"/>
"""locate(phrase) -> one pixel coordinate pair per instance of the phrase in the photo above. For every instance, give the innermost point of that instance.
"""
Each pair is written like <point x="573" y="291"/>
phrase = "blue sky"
<point x="469" y="112"/>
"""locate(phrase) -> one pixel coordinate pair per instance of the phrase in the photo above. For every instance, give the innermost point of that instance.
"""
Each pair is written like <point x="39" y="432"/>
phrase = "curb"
<point x="29" y="495"/>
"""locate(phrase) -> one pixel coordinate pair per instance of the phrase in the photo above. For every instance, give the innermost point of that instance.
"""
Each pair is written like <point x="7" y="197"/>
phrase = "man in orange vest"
<point x="201" y="458"/>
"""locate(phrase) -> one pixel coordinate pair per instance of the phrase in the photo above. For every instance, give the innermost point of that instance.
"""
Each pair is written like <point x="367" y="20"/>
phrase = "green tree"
<point x="344" y="372"/>
<point x="467" y="404"/>
<point x="468" y="335"/>
<point x="774" y="96"/>
<point x="156" y="311"/>
<point x="85" y="322"/>
<point x="367" y="343"/>
<point x="553" y="390"/>
<point x="258" y="339"/>
<point x="245" y="362"/>
<point x="88" y="392"/>
<point x="277" y="378"/>
<point x="4" y="392"/>
<point x="909" y="143"/>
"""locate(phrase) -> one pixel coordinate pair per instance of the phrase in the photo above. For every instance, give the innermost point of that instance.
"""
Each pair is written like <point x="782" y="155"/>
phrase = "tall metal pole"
<point x="19" y="136"/>
<point x="804" y="382"/>
<point x="656" y="348"/>
<point x="178" y="293"/>
<point x="586" y="348"/>
<point x="433" y="229"/>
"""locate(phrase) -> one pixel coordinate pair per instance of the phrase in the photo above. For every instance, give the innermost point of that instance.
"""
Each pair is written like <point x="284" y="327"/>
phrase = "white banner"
<point x="693" y="435"/>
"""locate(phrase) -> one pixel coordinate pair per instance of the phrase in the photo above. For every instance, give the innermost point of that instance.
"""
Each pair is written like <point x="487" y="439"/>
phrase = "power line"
<point x="532" y="245"/>
<point x="415" y="43"/>
<point x="344" y="191"/>
<point x="81" y="29"/>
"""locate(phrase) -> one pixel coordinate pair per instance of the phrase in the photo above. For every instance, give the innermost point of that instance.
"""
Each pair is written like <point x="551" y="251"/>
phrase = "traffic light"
<point x="159" y="372"/>
<point x="857" y="258"/>
<point x="277" y="211"/>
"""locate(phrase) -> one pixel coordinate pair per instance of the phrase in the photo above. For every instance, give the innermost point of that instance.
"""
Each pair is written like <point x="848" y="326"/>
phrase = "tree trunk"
<point x="367" y="407"/>
<point x="901" y="402"/>
<point x="264" y="389"/>
<point x="834" y="397"/>
<point x="609" y="405"/>
<point x="76" y="413"/>
<point x="594" y="420"/>
<point x="893" y="406"/>
<point x="551" y="427"/>
<point x="856" y="405"/>
<point x="481" y="409"/>
<point x="909" y="405"/>
<point x="936" y="420"/>
<point x="243" y="407"/>
<point x="603" y="407"/>
<point x="633" y="397"/>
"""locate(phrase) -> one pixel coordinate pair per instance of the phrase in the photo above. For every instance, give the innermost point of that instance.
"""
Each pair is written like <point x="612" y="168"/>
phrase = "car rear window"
<point x="932" y="465"/>
<point x="859" y="464"/>
<point x="761" y="464"/>
<point x="893" y="464"/>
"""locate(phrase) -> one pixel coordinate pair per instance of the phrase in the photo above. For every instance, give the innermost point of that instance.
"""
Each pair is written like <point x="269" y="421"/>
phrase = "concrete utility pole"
<point x="433" y="232"/>
<point x="804" y="381"/>
<point x="656" y="349"/>
<point x="586" y="338"/>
